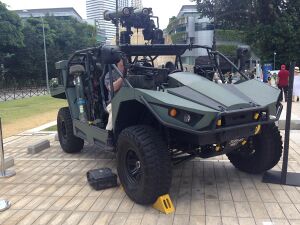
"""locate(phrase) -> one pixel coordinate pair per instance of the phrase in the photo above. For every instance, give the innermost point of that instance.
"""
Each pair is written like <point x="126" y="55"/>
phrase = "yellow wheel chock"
<point x="164" y="204"/>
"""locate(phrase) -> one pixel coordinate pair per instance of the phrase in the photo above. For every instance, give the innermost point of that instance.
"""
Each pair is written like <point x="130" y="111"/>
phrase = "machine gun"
<point x="139" y="19"/>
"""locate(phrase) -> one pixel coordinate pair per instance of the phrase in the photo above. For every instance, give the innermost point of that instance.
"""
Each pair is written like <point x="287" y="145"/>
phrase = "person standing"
<point x="296" y="88"/>
<point x="283" y="82"/>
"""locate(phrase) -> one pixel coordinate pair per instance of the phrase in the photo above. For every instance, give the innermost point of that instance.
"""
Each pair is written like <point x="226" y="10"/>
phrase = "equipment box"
<point x="102" y="178"/>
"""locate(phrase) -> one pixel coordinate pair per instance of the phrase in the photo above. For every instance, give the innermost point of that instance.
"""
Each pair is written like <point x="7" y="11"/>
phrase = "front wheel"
<point x="68" y="141"/>
<point x="261" y="153"/>
<point x="144" y="164"/>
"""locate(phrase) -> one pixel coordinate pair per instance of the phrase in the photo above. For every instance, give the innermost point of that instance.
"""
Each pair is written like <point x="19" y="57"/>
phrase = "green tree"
<point x="270" y="25"/>
<point x="11" y="36"/>
<point x="63" y="37"/>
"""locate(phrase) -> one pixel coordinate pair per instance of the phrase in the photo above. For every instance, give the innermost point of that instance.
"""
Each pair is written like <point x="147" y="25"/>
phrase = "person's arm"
<point x="118" y="84"/>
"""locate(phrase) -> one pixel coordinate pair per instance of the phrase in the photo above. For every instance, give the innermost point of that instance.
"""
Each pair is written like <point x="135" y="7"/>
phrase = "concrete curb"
<point x="9" y="162"/>
<point x="295" y="125"/>
<point x="38" y="147"/>
<point x="56" y="137"/>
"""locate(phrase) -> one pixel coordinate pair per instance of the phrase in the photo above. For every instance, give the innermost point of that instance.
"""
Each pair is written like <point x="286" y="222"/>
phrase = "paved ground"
<point x="51" y="188"/>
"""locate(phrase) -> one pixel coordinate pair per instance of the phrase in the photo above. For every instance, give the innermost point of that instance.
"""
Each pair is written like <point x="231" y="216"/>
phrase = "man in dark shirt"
<point x="283" y="82"/>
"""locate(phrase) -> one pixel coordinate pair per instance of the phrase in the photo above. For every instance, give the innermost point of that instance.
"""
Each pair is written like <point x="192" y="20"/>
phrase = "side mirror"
<point x="110" y="54"/>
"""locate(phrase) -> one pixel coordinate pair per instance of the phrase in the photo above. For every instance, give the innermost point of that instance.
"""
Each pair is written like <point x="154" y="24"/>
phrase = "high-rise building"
<point x="137" y="4"/>
<point x="95" y="10"/>
<point x="57" y="12"/>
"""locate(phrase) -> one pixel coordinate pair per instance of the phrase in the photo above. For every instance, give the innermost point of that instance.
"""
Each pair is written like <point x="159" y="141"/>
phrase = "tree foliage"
<point x="270" y="25"/>
<point x="11" y="36"/>
<point x="63" y="36"/>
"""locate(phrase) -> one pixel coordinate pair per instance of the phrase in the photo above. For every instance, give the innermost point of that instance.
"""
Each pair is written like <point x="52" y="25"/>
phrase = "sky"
<point x="164" y="9"/>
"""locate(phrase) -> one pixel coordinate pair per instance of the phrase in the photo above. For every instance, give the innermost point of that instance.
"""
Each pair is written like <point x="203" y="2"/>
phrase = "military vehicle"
<point x="163" y="115"/>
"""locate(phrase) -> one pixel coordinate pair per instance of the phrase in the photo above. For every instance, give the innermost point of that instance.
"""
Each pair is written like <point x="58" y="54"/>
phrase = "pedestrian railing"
<point x="7" y="94"/>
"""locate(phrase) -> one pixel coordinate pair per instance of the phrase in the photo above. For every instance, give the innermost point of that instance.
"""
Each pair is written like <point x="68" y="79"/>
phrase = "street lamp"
<point x="274" y="60"/>
<point x="45" y="53"/>
<point x="117" y="23"/>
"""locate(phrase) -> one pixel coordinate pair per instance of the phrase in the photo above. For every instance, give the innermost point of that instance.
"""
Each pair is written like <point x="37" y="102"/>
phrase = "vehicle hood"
<point x="223" y="97"/>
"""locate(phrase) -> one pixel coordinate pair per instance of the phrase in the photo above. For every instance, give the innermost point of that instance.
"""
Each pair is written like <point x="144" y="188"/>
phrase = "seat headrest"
<point x="76" y="70"/>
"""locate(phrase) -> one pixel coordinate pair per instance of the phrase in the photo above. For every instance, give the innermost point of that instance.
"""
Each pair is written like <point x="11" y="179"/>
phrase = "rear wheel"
<point x="261" y="153"/>
<point x="144" y="164"/>
<point x="68" y="141"/>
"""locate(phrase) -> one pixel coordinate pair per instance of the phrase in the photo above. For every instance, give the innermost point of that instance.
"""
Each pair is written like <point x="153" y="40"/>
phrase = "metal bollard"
<point x="4" y="204"/>
<point x="4" y="173"/>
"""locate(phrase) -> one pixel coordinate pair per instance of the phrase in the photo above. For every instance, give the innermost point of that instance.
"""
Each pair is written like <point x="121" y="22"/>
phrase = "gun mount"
<point x="130" y="18"/>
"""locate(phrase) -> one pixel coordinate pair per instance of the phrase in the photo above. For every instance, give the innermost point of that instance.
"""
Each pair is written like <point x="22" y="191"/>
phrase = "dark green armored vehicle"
<point x="164" y="115"/>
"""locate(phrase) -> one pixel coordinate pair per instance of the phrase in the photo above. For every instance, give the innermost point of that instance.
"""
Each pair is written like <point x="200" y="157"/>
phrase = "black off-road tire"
<point x="142" y="145"/>
<point x="267" y="148"/>
<point x="68" y="141"/>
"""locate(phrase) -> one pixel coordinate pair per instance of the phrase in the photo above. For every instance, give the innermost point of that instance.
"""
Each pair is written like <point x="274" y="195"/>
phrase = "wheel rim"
<point x="248" y="151"/>
<point x="133" y="167"/>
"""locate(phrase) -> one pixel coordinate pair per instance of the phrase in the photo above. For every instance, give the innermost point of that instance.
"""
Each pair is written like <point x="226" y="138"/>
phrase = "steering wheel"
<point x="175" y="71"/>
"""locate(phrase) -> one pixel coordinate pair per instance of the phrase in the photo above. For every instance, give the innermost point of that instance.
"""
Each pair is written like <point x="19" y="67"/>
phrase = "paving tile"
<point x="104" y="218"/>
<point x="290" y="211"/>
<point x="258" y="209"/>
<point x="281" y="196"/>
<point x="47" y="204"/>
<point x="274" y="211"/>
<point x="73" y="203"/>
<point x="266" y="195"/>
<point x="212" y="208"/>
<point x="89" y="218"/>
<point x="197" y="207"/>
<point x="74" y="218"/>
<point x="183" y="205"/>
<point x="252" y="195"/>
<point x="227" y="209"/>
<point x="134" y="219"/>
<point x="119" y="219"/>
<point x="238" y="195"/>
<point x="280" y="222"/>
<point x="60" y="203"/>
<point x="113" y="205"/>
<point x="164" y="219"/>
<point x="259" y="221"/>
<point x="22" y="202"/>
<point x="294" y="222"/>
<point x="31" y="217"/>
<point x="230" y="221"/>
<point x="197" y="220"/>
<point x="126" y="205"/>
<point x="99" y="204"/>
<point x="17" y="217"/>
<point x="86" y="204"/>
<point x="36" y="201"/>
<point x="45" y="218"/>
<point x="4" y="216"/>
<point x="224" y="194"/>
<point x="73" y="190"/>
<point x="138" y="208"/>
<point x="246" y="221"/>
<point x="60" y="218"/>
<point x="243" y="209"/>
<point x="180" y="219"/>
<point x="216" y="220"/>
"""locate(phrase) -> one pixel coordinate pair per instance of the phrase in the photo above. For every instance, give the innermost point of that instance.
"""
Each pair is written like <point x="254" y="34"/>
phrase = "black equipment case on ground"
<point x="102" y="178"/>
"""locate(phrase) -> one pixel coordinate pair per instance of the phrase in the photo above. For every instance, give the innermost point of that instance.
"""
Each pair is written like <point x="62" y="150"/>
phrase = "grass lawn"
<point x="23" y="114"/>
<point x="53" y="128"/>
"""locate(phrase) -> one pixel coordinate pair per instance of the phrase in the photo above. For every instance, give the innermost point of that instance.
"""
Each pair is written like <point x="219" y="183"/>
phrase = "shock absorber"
<point x="77" y="71"/>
